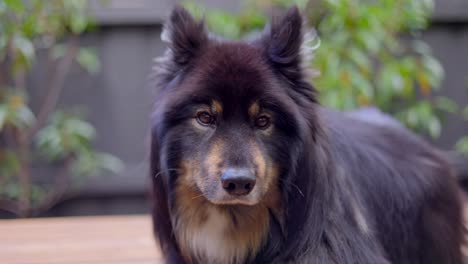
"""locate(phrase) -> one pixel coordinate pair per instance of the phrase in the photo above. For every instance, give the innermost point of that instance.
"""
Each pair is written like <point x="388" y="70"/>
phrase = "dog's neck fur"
<point x="208" y="233"/>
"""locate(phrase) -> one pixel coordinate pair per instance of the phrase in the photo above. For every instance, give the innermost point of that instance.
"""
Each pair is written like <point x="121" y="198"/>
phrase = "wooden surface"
<point x="78" y="240"/>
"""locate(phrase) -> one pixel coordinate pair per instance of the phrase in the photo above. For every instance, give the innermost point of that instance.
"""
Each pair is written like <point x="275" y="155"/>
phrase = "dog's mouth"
<point x="233" y="200"/>
<point x="220" y="196"/>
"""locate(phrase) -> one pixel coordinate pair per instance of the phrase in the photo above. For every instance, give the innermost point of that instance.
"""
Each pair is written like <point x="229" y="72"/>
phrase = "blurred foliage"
<point x="48" y="29"/>
<point x="462" y="144"/>
<point x="67" y="135"/>
<point x="64" y="135"/>
<point x="13" y="110"/>
<point x="366" y="53"/>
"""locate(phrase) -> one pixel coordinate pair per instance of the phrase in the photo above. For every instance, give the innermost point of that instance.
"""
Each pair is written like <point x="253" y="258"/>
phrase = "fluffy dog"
<point x="247" y="167"/>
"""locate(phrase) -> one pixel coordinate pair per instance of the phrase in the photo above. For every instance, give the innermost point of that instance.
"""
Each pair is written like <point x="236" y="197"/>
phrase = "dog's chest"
<point x="210" y="240"/>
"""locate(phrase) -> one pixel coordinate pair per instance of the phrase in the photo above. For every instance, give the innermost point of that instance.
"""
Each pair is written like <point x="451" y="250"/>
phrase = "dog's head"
<point x="229" y="113"/>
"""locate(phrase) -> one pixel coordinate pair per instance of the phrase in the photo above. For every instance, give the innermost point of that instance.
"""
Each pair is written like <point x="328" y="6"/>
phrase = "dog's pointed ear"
<point x="283" y="42"/>
<point x="184" y="35"/>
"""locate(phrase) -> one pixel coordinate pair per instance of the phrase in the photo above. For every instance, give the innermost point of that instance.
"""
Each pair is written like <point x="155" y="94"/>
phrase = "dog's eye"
<point x="262" y="122"/>
<point x="204" y="118"/>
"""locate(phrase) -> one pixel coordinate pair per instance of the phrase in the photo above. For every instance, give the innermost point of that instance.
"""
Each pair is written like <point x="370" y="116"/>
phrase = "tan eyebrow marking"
<point x="254" y="110"/>
<point x="216" y="107"/>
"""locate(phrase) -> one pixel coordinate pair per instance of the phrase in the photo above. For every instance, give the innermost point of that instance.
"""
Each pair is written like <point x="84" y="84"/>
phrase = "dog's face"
<point x="228" y="123"/>
<point x="225" y="121"/>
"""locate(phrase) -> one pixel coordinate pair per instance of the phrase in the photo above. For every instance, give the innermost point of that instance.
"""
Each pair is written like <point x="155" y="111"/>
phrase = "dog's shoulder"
<point x="376" y="134"/>
<point x="388" y="158"/>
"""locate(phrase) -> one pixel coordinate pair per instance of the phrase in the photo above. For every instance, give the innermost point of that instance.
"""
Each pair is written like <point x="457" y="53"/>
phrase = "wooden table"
<point x="78" y="240"/>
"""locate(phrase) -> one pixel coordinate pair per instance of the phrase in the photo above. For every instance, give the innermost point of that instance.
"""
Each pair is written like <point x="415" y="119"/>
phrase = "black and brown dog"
<point x="247" y="167"/>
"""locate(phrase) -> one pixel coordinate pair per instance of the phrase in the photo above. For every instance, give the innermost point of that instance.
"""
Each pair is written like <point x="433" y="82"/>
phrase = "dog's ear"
<point x="287" y="48"/>
<point x="184" y="35"/>
<point x="283" y="43"/>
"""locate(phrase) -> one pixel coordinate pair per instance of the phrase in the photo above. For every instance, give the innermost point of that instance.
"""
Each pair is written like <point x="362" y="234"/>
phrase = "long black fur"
<point x="353" y="192"/>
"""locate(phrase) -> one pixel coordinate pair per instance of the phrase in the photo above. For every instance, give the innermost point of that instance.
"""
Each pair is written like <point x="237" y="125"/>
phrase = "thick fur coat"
<point x="317" y="186"/>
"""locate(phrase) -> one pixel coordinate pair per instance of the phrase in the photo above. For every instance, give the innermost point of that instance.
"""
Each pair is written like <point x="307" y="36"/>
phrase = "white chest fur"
<point x="210" y="240"/>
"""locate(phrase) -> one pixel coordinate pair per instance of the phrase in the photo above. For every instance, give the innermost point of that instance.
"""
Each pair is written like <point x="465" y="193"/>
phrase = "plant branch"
<point x="20" y="81"/>
<point x="9" y="206"/>
<point x="5" y="68"/>
<point x="60" y="187"/>
<point x="24" y="175"/>
<point x="3" y="75"/>
<point x="55" y="86"/>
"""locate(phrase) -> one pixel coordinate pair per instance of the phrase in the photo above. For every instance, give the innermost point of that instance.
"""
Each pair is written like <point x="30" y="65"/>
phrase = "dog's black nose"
<point x="238" y="181"/>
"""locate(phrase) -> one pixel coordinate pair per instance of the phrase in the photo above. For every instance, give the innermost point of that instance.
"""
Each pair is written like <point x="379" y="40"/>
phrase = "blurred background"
<point x="76" y="94"/>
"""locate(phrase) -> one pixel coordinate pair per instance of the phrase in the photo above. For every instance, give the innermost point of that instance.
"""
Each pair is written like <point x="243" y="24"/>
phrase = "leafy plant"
<point x="462" y="144"/>
<point x="29" y="29"/>
<point x="366" y="53"/>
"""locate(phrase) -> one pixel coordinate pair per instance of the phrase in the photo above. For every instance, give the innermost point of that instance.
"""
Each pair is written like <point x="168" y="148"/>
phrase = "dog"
<point x="247" y="167"/>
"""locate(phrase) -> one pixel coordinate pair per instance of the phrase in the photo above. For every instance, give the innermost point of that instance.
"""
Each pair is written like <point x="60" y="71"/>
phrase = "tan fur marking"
<point x="254" y="110"/>
<point x="212" y="162"/>
<point x="259" y="161"/>
<point x="268" y="172"/>
<point x="216" y="107"/>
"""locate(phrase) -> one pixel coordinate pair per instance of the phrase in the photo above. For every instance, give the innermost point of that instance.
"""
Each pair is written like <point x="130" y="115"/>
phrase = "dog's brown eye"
<point x="262" y="122"/>
<point x="205" y="118"/>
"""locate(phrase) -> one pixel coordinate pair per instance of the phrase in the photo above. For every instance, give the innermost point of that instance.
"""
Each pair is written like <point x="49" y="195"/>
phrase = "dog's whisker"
<point x="157" y="174"/>
<point x="198" y="196"/>
<point x="295" y="186"/>
<point x="160" y="172"/>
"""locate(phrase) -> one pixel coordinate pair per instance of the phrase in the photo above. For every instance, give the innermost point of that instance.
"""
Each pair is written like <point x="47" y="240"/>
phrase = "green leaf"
<point x="363" y="86"/>
<point x="78" y="24"/>
<point x="17" y="113"/>
<point x="3" y="115"/>
<point x="110" y="162"/>
<point x="25" y="50"/>
<point x="91" y="163"/>
<point x="412" y="117"/>
<point x="9" y="163"/>
<point x="421" y="47"/>
<point x="14" y="5"/>
<point x="49" y="143"/>
<point x="465" y="113"/>
<point x="58" y="51"/>
<point x="37" y="194"/>
<point x="78" y="16"/>
<point x="436" y="72"/>
<point x="79" y="128"/>
<point x="85" y="164"/>
<point x="64" y="135"/>
<point x="358" y="57"/>
<point x="87" y="58"/>
<point x="462" y="145"/>
<point x="25" y="116"/>
<point x="3" y="7"/>
<point x="446" y="104"/>
<point x="224" y="24"/>
<point x="12" y="191"/>
<point x="300" y="3"/>
<point x="195" y="9"/>
<point x="434" y="127"/>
